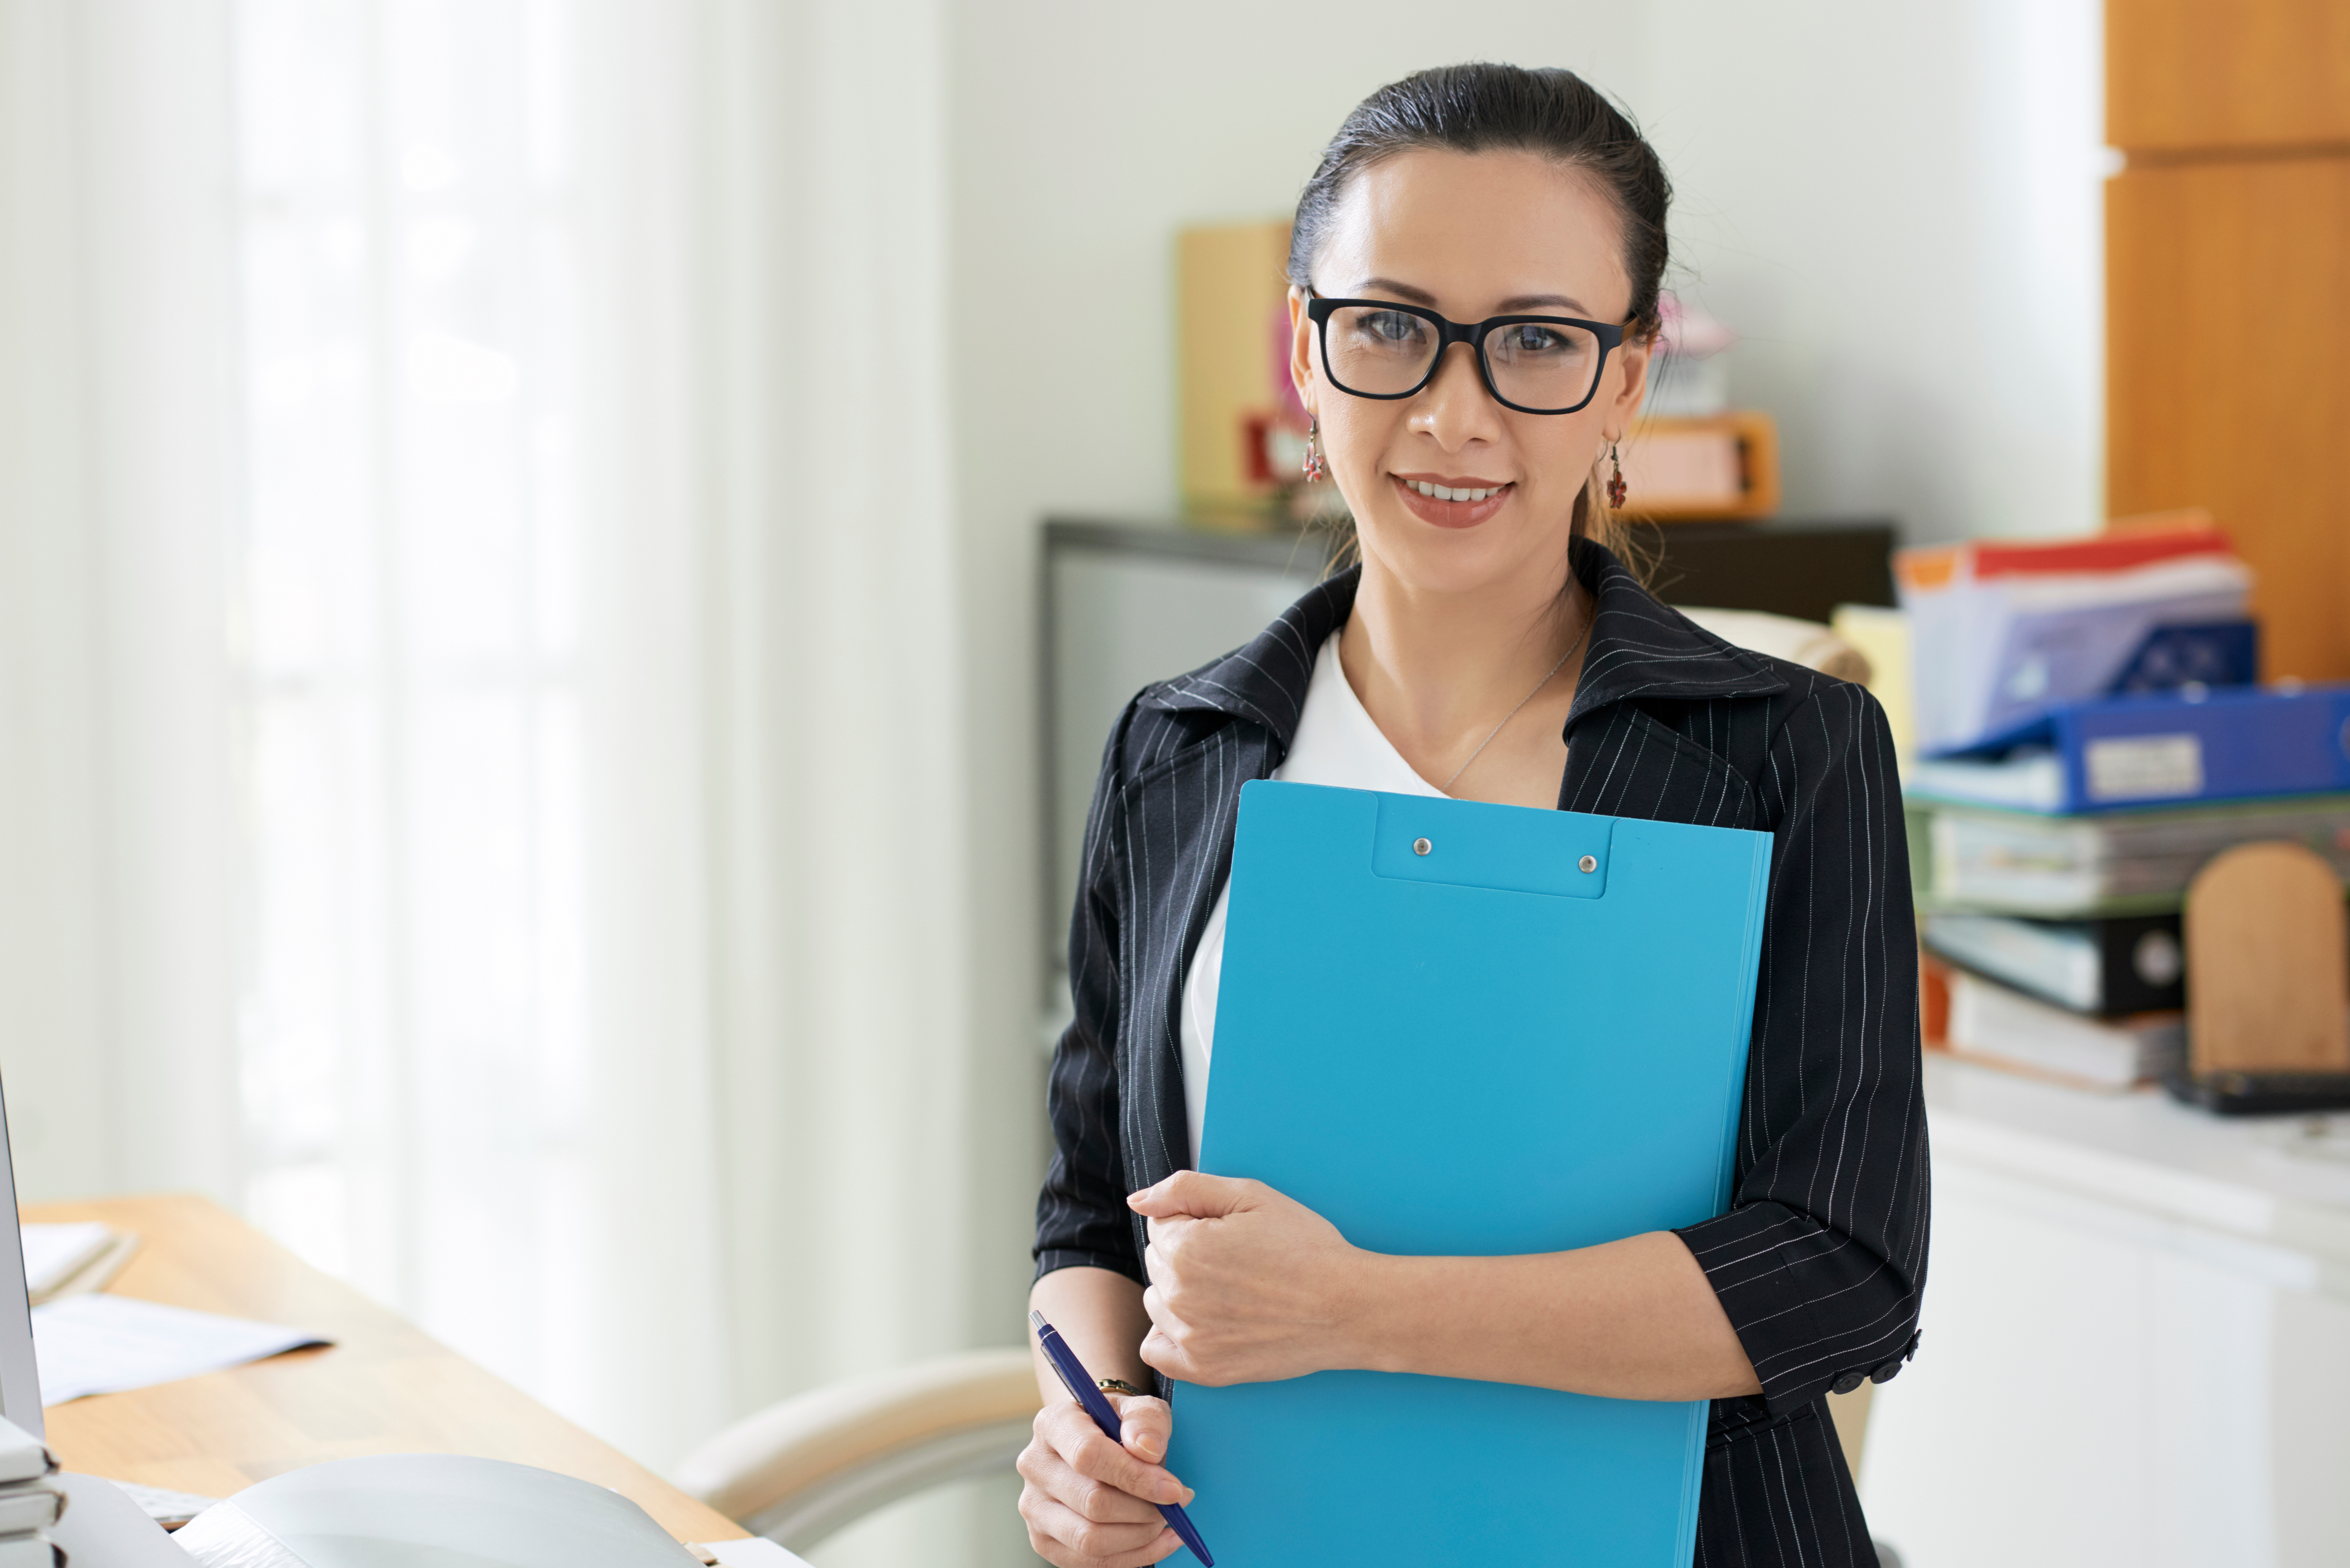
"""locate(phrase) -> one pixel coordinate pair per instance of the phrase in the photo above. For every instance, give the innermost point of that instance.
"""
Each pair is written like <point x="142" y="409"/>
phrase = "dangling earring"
<point x="1316" y="471"/>
<point x="1615" y="481"/>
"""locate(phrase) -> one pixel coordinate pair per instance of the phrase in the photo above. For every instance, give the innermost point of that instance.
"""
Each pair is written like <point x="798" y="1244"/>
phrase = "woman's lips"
<point x="1450" y="513"/>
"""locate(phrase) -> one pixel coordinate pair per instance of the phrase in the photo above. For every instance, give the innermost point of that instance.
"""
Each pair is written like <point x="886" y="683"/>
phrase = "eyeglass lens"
<point x="1537" y="365"/>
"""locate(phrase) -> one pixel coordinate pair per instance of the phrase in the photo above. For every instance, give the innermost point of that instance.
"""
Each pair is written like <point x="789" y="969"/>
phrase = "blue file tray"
<point x="1482" y="1048"/>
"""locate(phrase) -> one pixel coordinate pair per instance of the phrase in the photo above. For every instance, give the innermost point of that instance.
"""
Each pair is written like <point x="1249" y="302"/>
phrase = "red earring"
<point x="1615" y="490"/>
<point x="1316" y="471"/>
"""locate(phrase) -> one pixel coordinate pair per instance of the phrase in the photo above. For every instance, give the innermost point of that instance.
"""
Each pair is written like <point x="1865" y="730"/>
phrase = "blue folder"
<point x="2171" y="748"/>
<point x="1454" y="1028"/>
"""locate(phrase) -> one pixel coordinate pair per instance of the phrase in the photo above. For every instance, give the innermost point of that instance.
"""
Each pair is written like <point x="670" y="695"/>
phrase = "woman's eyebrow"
<point x="1416" y="296"/>
<point x="1523" y="302"/>
<point x="1535" y="301"/>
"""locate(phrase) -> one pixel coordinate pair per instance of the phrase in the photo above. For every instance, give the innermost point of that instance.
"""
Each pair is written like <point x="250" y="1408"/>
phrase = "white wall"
<point x="1897" y="206"/>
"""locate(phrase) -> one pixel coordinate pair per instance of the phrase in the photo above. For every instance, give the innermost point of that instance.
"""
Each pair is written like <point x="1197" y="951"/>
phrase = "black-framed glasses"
<point x="1534" y="364"/>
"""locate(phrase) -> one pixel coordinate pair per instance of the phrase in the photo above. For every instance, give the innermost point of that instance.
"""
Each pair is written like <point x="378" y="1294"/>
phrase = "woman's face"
<point x="1469" y="235"/>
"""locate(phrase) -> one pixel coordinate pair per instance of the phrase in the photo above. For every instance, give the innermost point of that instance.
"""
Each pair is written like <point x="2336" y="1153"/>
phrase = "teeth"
<point x="1439" y="493"/>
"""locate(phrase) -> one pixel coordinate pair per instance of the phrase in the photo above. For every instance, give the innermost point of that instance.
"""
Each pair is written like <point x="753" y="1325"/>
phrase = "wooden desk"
<point x="382" y="1387"/>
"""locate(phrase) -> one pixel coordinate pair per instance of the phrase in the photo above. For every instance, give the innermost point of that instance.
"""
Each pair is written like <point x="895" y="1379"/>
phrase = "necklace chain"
<point x="1513" y="712"/>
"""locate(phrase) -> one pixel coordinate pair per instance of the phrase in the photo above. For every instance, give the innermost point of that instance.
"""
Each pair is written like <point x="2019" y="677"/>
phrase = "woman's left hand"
<point x="1246" y="1285"/>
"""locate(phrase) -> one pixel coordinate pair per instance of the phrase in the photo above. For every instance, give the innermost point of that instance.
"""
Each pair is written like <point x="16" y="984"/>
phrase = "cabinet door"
<point x="2203" y="75"/>
<point x="2228" y="376"/>
<point x="2099" y="1385"/>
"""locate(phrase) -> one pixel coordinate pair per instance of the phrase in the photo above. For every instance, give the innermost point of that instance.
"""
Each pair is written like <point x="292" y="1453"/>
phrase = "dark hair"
<point x="1481" y="107"/>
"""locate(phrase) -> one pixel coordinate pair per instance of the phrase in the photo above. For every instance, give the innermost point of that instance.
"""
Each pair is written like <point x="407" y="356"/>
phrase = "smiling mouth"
<point x="1444" y="493"/>
<point x="1451" y="506"/>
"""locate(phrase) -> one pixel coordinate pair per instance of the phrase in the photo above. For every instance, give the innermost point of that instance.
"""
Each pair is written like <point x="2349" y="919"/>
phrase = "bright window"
<point x="404" y="604"/>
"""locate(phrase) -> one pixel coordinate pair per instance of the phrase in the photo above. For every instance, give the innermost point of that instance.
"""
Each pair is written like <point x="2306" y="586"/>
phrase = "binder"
<point x="2110" y="863"/>
<point x="2107" y="965"/>
<point x="2173" y="749"/>
<point x="1454" y="1028"/>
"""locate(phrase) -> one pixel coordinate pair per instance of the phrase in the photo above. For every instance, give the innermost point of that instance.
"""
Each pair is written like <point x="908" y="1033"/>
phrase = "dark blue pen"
<point x="1081" y="1389"/>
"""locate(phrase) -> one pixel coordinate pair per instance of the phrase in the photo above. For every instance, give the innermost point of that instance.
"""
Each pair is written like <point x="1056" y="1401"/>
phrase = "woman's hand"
<point x="1090" y="1502"/>
<point x="1246" y="1285"/>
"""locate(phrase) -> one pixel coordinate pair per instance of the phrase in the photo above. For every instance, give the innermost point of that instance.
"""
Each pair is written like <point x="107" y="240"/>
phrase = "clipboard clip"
<point x="1506" y="848"/>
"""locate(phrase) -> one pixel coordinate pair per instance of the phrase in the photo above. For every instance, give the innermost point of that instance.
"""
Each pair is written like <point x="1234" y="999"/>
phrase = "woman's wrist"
<point x="1380" y="1313"/>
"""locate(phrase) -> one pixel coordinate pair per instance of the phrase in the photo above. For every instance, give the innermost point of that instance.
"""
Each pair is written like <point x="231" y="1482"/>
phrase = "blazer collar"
<point x="1640" y="648"/>
<point x="1266" y="679"/>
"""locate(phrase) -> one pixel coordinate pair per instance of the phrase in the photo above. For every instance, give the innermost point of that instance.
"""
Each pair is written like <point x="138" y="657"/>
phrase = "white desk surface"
<point x="2284" y="1181"/>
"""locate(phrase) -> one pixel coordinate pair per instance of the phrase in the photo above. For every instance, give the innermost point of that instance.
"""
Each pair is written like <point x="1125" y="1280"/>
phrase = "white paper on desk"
<point x="54" y="1253"/>
<point x="102" y="1344"/>
<point x="755" y="1552"/>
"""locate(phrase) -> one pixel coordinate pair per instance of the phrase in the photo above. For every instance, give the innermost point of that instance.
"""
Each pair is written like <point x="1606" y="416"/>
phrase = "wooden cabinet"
<point x="2228" y="295"/>
<point x="2194" y="76"/>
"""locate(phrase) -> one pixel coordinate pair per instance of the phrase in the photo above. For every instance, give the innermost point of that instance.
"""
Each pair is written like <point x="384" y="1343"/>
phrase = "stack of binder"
<point x="2052" y="861"/>
<point x="2006" y="630"/>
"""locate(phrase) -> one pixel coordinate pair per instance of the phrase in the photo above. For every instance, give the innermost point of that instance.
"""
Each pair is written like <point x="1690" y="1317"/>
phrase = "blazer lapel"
<point x="1178" y="818"/>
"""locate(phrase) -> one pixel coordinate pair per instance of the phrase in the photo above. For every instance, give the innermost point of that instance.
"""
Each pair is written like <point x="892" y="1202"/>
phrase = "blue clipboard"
<point x="1454" y="1028"/>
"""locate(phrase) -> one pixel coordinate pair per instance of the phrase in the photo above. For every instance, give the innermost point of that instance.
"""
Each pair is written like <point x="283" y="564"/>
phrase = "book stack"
<point x="30" y="1500"/>
<point x="2091" y="739"/>
<point x="2003" y="632"/>
<point x="2058" y="906"/>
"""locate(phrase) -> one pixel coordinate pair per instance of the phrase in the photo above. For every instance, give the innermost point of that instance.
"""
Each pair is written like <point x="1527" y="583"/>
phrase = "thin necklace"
<point x="1513" y="712"/>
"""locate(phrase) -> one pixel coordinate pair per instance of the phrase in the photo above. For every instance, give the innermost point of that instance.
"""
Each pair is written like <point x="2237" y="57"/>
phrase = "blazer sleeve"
<point x="1821" y="1260"/>
<point x="1082" y="1219"/>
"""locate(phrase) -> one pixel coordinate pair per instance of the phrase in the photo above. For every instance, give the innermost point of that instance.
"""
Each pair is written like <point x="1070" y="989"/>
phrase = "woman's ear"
<point x="1301" y="347"/>
<point x="1636" y="357"/>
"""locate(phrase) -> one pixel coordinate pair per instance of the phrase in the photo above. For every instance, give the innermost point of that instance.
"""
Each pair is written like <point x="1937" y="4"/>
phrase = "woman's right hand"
<point x="1090" y="1502"/>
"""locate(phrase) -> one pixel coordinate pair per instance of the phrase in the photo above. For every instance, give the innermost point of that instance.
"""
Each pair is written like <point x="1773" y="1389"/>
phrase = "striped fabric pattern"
<point x="1821" y="1259"/>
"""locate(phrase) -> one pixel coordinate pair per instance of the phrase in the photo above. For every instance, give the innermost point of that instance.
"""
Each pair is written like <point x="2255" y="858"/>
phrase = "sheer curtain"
<point x="477" y="634"/>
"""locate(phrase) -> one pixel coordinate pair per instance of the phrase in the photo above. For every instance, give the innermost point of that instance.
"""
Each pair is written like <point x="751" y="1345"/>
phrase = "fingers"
<point x="1105" y="1466"/>
<point x="1189" y="1193"/>
<point x="1145" y="1425"/>
<point x="1077" y="1516"/>
<point x="1161" y="1352"/>
<point x="1162" y="1349"/>
<point x="1068" y="1541"/>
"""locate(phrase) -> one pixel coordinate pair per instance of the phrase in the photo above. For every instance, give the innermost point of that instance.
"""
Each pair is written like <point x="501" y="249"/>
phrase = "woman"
<point x="1490" y="647"/>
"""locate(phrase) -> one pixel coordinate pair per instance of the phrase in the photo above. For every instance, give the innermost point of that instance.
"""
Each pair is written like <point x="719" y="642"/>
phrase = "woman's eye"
<point x="1393" y="326"/>
<point x="1528" y="339"/>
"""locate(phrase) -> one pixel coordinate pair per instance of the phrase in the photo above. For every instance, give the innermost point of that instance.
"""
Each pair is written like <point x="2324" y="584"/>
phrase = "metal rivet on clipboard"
<point x="1589" y="863"/>
<point x="1421" y="847"/>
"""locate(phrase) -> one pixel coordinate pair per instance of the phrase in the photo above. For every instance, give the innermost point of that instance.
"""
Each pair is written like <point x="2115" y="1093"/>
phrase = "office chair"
<point x="799" y="1470"/>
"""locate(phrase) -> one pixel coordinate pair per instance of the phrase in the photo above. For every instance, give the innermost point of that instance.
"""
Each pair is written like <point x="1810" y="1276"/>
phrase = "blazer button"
<point x="1848" y="1382"/>
<point x="1886" y="1373"/>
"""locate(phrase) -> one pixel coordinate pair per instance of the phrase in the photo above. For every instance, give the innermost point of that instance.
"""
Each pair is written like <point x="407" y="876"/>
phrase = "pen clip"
<point x="1056" y="1351"/>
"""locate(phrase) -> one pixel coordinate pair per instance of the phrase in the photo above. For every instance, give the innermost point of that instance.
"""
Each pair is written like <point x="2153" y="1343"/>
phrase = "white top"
<point x="1338" y="743"/>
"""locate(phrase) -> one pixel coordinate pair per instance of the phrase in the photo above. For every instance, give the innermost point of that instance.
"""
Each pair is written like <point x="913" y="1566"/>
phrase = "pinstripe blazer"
<point x="1821" y="1259"/>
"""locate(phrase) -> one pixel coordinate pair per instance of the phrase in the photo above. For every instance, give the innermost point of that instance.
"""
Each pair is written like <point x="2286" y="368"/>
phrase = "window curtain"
<point x="478" y="637"/>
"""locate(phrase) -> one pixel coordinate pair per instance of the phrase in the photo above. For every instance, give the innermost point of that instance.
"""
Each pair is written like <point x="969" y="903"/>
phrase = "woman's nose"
<point x="1454" y="406"/>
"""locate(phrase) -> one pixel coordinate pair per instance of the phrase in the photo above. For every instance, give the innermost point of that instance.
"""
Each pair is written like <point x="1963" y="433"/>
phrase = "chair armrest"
<point x="814" y="1440"/>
